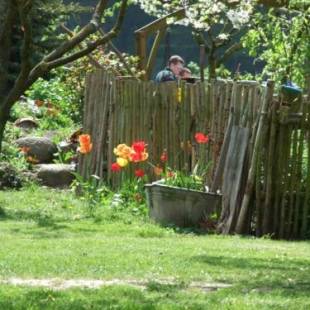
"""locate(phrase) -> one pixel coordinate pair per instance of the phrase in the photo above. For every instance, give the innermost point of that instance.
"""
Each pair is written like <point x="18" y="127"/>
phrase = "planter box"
<point x="180" y="206"/>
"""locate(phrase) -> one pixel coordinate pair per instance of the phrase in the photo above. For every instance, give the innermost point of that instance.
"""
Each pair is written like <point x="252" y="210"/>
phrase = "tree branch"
<point x="92" y="60"/>
<point x="25" y="54"/>
<point x="232" y="49"/>
<point x="44" y="66"/>
<point x="200" y="39"/>
<point x="93" y="45"/>
<point x="88" y="29"/>
<point x="118" y="54"/>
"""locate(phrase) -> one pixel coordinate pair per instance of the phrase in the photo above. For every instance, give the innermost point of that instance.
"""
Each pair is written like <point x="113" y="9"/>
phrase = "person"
<point x="185" y="73"/>
<point x="172" y="71"/>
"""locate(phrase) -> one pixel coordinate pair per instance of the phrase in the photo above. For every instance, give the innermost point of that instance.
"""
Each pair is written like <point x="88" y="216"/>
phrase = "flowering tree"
<point x="215" y="24"/>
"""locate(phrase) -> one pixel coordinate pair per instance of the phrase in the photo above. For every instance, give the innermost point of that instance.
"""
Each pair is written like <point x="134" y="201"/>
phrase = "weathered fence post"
<point x="242" y="224"/>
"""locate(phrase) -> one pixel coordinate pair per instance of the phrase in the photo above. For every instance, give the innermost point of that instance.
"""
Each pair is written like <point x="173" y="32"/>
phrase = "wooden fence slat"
<point x="233" y="176"/>
<point x="271" y="161"/>
<point x="251" y="177"/>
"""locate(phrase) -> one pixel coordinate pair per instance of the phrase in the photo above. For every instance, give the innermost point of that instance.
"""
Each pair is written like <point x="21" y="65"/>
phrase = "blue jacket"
<point x="165" y="75"/>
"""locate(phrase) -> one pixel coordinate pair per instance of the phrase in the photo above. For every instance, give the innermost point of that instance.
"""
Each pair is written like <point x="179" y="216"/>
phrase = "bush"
<point x="9" y="177"/>
<point x="59" y="104"/>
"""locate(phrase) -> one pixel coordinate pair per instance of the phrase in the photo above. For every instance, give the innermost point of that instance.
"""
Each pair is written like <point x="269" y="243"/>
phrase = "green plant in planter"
<point x="181" y="179"/>
<point x="195" y="181"/>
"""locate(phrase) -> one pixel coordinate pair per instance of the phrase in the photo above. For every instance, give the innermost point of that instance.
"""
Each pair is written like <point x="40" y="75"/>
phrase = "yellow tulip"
<point x="122" y="150"/>
<point x="122" y="162"/>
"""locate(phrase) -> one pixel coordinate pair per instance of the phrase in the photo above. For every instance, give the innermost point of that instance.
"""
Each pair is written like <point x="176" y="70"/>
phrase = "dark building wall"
<point x="179" y="40"/>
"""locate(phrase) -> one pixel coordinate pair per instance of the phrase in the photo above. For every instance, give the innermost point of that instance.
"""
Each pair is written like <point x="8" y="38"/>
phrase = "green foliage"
<point x="281" y="40"/>
<point x="75" y="75"/>
<point x="11" y="154"/>
<point x="94" y="193"/>
<point x="132" y="197"/>
<point x="97" y="195"/>
<point x="9" y="177"/>
<point x="221" y="71"/>
<point x="180" y="179"/>
<point x="61" y="105"/>
<point x="64" y="157"/>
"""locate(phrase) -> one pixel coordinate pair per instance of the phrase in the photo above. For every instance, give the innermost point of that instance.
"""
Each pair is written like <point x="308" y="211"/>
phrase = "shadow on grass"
<point x="122" y="297"/>
<point x="189" y="230"/>
<point x="290" y="275"/>
<point x="154" y="286"/>
<point x="50" y="232"/>
<point x="41" y="218"/>
<point x="253" y="263"/>
<point x="106" y="298"/>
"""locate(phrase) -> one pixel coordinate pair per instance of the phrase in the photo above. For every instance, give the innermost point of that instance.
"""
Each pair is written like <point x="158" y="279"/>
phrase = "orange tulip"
<point x="32" y="160"/>
<point x="24" y="149"/>
<point x="85" y="144"/>
<point x="38" y="102"/>
<point x="158" y="171"/>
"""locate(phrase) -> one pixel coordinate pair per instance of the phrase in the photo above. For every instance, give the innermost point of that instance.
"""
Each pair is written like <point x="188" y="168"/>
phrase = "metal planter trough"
<point x="180" y="206"/>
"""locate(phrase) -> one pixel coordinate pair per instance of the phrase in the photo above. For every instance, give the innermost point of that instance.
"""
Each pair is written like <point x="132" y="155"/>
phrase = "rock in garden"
<point x="66" y="146"/>
<point x="40" y="148"/>
<point x="55" y="175"/>
<point x="26" y="123"/>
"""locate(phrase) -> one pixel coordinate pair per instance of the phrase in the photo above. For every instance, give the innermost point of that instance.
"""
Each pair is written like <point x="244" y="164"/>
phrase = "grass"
<point x="47" y="234"/>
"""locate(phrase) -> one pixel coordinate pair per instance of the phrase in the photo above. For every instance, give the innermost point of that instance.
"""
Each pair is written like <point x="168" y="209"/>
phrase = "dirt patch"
<point x="61" y="284"/>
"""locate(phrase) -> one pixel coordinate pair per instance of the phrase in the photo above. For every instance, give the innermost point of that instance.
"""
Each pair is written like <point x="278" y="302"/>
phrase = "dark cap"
<point x="175" y="59"/>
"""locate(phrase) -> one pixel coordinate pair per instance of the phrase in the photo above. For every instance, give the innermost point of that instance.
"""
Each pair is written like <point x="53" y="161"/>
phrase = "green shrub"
<point x="9" y="177"/>
<point x="60" y="104"/>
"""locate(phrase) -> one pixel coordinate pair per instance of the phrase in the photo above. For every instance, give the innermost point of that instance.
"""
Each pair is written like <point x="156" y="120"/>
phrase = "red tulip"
<point x="139" y="173"/>
<point x="139" y="146"/>
<point x="201" y="138"/>
<point x="115" y="167"/>
<point x="164" y="156"/>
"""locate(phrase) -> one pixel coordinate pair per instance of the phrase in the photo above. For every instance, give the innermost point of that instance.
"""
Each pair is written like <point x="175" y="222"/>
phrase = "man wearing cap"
<point x="172" y="71"/>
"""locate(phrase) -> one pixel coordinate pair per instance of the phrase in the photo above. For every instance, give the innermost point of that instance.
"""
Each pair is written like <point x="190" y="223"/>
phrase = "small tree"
<point x="17" y="28"/>
<point x="280" y="38"/>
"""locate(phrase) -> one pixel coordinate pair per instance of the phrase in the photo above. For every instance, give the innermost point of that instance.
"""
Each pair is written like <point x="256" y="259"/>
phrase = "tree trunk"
<point x="4" y="117"/>
<point x="212" y="67"/>
<point x="8" y="97"/>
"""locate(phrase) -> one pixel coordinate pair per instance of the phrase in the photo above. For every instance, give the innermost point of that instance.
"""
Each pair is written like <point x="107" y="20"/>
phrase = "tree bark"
<point x="4" y="117"/>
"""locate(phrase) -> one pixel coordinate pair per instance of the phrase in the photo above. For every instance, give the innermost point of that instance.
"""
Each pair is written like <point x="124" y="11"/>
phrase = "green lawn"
<point x="47" y="234"/>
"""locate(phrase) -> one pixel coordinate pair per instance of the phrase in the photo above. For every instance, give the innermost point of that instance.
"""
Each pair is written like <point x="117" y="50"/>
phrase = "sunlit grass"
<point x="48" y="234"/>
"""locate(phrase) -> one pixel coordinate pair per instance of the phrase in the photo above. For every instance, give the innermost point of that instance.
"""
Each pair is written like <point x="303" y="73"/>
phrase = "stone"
<point x="40" y="148"/>
<point x="66" y="146"/>
<point x="55" y="175"/>
<point x="26" y="123"/>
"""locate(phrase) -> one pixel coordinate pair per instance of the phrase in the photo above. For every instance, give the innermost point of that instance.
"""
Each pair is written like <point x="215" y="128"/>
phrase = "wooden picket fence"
<point x="258" y="151"/>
